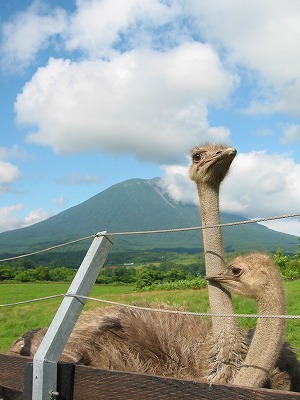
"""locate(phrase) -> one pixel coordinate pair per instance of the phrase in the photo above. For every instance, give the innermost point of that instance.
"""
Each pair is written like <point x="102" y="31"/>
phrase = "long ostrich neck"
<point x="219" y="298"/>
<point x="267" y="340"/>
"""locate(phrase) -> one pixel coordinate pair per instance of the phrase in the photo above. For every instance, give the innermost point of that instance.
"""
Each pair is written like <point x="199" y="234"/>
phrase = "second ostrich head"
<point x="256" y="276"/>
<point x="250" y="275"/>
<point x="210" y="163"/>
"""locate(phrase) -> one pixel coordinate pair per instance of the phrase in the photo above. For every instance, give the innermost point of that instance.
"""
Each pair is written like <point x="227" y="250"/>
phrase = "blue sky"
<point x="99" y="91"/>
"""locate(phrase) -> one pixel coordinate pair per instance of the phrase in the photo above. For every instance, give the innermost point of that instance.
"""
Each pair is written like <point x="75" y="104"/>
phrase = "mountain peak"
<point x="139" y="205"/>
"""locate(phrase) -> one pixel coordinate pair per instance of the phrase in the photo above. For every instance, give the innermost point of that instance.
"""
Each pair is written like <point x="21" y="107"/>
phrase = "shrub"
<point x="196" y="283"/>
<point x="147" y="277"/>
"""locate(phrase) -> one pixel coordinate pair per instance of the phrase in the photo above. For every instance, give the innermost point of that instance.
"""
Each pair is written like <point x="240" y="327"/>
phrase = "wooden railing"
<point x="77" y="382"/>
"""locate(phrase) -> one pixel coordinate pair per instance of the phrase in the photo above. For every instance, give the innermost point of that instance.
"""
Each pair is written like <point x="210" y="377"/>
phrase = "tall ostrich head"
<point x="210" y="163"/>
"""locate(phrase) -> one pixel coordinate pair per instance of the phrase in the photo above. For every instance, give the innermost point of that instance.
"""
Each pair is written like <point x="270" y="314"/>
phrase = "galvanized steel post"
<point x="44" y="385"/>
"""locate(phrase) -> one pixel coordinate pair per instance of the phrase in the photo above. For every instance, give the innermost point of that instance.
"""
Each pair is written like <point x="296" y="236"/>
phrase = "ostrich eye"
<point x="197" y="157"/>
<point x="236" y="271"/>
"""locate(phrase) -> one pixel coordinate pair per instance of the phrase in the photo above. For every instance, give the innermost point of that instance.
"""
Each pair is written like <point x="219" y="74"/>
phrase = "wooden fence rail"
<point x="96" y="384"/>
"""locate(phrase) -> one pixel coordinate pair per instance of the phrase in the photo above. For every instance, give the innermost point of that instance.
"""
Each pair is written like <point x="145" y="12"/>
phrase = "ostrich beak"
<point x="226" y="155"/>
<point x="221" y="278"/>
<point x="231" y="151"/>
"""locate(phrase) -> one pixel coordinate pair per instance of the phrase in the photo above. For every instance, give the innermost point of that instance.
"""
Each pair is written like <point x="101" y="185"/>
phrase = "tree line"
<point x="184" y="269"/>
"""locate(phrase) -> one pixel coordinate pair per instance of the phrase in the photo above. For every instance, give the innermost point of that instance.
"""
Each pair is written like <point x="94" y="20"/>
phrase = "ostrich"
<point x="173" y="345"/>
<point x="210" y="165"/>
<point x="255" y="276"/>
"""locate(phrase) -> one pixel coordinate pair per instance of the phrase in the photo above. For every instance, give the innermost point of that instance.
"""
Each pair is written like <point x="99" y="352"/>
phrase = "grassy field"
<point x="16" y="320"/>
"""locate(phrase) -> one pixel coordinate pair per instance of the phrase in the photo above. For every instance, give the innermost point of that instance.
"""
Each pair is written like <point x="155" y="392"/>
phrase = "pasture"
<point x="16" y="320"/>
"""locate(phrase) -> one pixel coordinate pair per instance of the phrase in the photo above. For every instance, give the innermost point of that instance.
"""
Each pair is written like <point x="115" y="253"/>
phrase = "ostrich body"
<point x="210" y="165"/>
<point x="174" y="345"/>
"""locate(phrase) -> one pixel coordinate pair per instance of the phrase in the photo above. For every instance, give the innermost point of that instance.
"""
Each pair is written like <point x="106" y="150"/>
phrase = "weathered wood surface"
<point x="96" y="384"/>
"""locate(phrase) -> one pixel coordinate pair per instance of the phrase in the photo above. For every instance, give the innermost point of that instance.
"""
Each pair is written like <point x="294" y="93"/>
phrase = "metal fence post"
<point x="44" y="385"/>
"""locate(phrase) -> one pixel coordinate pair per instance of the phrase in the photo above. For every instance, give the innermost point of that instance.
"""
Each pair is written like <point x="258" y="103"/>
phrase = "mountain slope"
<point x="138" y="205"/>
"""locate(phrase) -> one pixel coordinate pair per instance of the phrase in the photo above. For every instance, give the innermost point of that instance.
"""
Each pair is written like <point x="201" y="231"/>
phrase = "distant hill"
<point x="138" y="205"/>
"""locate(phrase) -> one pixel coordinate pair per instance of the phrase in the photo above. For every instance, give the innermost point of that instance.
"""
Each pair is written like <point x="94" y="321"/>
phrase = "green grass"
<point x="16" y="320"/>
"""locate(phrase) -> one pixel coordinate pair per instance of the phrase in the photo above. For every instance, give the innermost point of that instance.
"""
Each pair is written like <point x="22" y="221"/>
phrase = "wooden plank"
<point x="12" y="371"/>
<point x="96" y="384"/>
<point x="93" y="383"/>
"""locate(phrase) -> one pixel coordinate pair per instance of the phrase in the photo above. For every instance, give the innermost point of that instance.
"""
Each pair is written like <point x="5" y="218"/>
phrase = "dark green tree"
<point x="175" y="274"/>
<point x="146" y="276"/>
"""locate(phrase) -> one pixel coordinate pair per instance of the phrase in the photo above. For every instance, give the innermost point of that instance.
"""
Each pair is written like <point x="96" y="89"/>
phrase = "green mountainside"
<point x="137" y="205"/>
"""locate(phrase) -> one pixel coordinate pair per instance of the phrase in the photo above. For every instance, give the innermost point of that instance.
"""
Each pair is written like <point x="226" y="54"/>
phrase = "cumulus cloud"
<point x="10" y="217"/>
<point x="259" y="185"/>
<point x="175" y="180"/>
<point x="148" y="103"/>
<point x="262" y="184"/>
<point x="268" y="47"/>
<point x="287" y="225"/>
<point x="36" y="216"/>
<point x="27" y="33"/>
<point x="15" y="152"/>
<point x="97" y="29"/>
<point x="8" y="174"/>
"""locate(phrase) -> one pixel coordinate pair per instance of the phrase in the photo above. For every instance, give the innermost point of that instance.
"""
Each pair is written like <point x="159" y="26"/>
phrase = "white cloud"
<point x="262" y="184"/>
<point x="258" y="185"/>
<point x="175" y="180"/>
<point x="288" y="225"/>
<point x="96" y="25"/>
<point x="268" y="46"/>
<point x="8" y="174"/>
<point x="15" y="152"/>
<point x="10" y="217"/>
<point x="147" y="103"/>
<point x="36" y="216"/>
<point x="28" y="33"/>
<point x="99" y="25"/>
<point x="291" y="134"/>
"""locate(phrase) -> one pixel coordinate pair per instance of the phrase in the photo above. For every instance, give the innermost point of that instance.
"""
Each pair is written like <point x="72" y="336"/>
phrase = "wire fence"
<point x="182" y="312"/>
<point x="161" y="310"/>
<point x="173" y="230"/>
